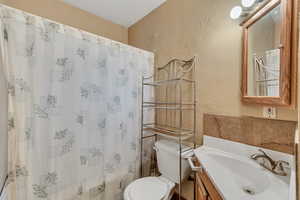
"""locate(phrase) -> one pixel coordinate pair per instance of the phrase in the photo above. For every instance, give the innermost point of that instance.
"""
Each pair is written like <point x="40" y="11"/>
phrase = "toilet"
<point x="161" y="188"/>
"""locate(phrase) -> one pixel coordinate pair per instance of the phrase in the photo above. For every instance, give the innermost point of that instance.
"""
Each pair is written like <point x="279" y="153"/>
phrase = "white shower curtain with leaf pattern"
<point x="74" y="110"/>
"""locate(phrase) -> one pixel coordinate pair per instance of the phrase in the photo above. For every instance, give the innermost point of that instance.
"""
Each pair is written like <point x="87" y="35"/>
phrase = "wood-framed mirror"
<point x="267" y="54"/>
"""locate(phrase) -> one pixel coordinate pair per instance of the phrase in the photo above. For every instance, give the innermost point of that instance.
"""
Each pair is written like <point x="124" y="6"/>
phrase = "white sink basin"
<point x="240" y="178"/>
<point x="248" y="178"/>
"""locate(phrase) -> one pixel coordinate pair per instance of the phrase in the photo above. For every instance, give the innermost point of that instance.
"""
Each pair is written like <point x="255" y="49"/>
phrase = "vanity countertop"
<point x="235" y="175"/>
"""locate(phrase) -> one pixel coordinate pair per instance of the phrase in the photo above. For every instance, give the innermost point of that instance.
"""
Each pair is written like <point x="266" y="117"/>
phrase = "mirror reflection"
<point x="264" y="55"/>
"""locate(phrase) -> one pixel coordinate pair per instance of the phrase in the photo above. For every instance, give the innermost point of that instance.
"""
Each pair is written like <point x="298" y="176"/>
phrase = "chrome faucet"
<point x="276" y="167"/>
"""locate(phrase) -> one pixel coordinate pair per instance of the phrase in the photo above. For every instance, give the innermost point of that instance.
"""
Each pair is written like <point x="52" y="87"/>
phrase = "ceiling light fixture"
<point x="248" y="3"/>
<point x="247" y="7"/>
<point x="236" y="12"/>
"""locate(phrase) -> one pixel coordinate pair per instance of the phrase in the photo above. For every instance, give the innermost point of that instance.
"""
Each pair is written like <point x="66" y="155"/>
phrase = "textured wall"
<point x="202" y="27"/>
<point x="61" y="12"/>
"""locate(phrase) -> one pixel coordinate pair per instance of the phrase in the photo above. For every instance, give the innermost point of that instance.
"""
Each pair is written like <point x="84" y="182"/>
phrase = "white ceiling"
<point x="123" y="12"/>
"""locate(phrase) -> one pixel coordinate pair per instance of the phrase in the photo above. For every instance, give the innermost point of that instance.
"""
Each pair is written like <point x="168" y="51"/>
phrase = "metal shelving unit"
<point x="174" y="106"/>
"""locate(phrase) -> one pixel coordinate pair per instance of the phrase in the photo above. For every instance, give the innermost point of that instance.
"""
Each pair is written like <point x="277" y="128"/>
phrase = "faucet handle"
<point x="262" y="151"/>
<point x="279" y="167"/>
<point x="281" y="163"/>
<point x="265" y="154"/>
<point x="276" y="167"/>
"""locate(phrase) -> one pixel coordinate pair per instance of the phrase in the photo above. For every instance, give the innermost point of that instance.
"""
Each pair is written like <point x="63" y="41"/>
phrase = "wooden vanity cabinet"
<point x="201" y="192"/>
<point x="205" y="189"/>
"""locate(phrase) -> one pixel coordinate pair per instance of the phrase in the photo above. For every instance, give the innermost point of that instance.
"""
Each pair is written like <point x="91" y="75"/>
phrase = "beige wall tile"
<point x="271" y="134"/>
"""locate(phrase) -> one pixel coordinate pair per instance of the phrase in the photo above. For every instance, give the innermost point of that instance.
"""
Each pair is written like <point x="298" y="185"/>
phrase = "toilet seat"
<point x="149" y="188"/>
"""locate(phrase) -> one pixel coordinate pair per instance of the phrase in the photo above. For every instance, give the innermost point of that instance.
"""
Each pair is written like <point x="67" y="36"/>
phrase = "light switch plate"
<point x="270" y="112"/>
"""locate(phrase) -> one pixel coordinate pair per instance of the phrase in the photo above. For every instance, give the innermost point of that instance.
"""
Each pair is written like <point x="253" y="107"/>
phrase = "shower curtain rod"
<point x="95" y="36"/>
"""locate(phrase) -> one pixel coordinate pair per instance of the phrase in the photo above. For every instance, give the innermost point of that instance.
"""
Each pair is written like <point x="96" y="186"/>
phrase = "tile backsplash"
<point x="271" y="134"/>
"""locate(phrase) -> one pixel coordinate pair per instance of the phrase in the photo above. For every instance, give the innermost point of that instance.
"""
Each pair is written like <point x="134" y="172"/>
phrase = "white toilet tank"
<point x="168" y="160"/>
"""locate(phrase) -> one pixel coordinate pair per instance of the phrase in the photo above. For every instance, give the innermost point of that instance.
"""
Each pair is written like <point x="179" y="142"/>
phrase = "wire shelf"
<point x="169" y="103"/>
<point x="170" y="81"/>
<point x="169" y="108"/>
<point x="169" y="132"/>
<point x="174" y="76"/>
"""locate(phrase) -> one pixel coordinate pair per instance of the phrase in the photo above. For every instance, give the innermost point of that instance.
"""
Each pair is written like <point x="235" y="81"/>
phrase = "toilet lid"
<point x="149" y="188"/>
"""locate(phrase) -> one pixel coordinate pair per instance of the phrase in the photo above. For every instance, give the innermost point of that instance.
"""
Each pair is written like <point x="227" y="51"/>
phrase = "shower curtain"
<point x="74" y="110"/>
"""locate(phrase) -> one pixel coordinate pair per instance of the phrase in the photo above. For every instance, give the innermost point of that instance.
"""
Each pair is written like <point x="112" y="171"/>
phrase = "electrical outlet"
<point x="270" y="112"/>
